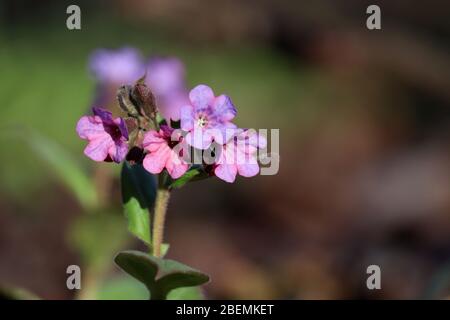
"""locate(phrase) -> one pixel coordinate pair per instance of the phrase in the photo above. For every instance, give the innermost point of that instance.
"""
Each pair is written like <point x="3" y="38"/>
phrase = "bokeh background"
<point x="364" y="125"/>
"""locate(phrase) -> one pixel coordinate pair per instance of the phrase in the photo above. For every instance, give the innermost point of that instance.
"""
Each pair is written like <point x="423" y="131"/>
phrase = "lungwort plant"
<point x="158" y="156"/>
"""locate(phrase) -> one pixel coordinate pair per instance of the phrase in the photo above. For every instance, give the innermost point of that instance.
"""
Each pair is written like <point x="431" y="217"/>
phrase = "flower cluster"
<point x="198" y="122"/>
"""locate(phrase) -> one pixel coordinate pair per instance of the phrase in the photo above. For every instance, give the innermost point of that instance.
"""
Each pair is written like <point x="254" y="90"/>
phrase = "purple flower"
<point x="165" y="75"/>
<point x="166" y="78"/>
<point x="239" y="155"/>
<point x="107" y="136"/>
<point x="207" y="118"/>
<point x="121" y="66"/>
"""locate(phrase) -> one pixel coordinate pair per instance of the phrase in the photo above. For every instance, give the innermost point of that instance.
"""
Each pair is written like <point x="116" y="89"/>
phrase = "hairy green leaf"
<point x="160" y="276"/>
<point x="123" y="287"/>
<point x="193" y="174"/>
<point x="138" y="198"/>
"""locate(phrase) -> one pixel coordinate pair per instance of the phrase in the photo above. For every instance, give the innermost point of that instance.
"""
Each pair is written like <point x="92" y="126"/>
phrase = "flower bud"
<point x="144" y="99"/>
<point x="125" y="103"/>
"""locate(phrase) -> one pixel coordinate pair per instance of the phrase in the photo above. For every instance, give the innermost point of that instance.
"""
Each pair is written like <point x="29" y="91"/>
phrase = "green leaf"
<point x="186" y="293"/>
<point x="60" y="161"/>
<point x="126" y="288"/>
<point x="122" y="288"/>
<point x="192" y="174"/>
<point x="138" y="197"/>
<point x="160" y="276"/>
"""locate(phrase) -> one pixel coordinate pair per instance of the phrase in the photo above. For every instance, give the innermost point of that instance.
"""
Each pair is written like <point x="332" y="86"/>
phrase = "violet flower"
<point x="107" y="136"/>
<point x="116" y="67"/>
<point x="166" y="78"/>
<point x="207" y="118"/>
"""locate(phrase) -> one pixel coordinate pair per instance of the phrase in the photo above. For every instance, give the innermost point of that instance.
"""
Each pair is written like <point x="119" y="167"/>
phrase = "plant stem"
<point x="162" y="199"/>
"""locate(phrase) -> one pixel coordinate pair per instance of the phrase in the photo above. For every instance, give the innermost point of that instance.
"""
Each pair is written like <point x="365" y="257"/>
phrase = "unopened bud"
<point x="125" y="103"/>
<point x="144" y="99"/>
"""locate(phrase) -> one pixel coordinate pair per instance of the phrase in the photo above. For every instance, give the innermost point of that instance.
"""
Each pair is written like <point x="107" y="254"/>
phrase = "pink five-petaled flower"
<point x="107" y="136"/>
<point x="207" y="118"/>
<point x="239" y="155"/>
<point x="162" y="152"/>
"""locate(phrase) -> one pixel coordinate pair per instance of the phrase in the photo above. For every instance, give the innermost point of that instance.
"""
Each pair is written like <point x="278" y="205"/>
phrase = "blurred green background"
<point x="364" y="125"/>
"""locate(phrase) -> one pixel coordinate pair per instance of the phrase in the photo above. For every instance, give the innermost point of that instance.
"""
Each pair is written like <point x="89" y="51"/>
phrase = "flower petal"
<point x="226" y="172"/>
<point x="165" y="75"/>
<point x="120" y="122"/>
<point x="199" y="139"/>
<point x="262" y="141"/>
<point x="119" y="152"/>
<point x="249" y="141"/>
<point x="223" y="133"/>
<point x="89" y="127"/>
<point x="187" y="118"/>
<point x="98" y="148"/>
<point x="175" y="165"/>
<point x="104" y="114"/>
<point x="116" y="66"/>
<point x="170" y="105"/>
<point x="154" y="162"/>
<point x="248" y="169"/>
<point x="166" y="132"/>
<point x="153" y="140"/>
<point x="201" y="96"/>
<point x="224" y="108"/>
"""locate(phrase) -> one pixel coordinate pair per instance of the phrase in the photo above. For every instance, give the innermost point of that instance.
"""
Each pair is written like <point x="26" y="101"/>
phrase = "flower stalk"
<point x="162" y="200"/>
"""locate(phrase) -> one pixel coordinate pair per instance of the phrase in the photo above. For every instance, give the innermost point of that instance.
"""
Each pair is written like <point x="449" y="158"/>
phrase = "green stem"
<point x="162" y="199"/>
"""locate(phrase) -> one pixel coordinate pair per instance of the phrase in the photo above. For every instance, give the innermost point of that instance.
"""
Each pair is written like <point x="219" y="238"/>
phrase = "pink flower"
<point x="207" y="117"/>
<point x="107" y="136"/>
<point x="239" y="155"/>
<point x="162" y="147"/>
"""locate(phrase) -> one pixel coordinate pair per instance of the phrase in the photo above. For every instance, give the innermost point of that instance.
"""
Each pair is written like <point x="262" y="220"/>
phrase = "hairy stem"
<point x="162" y="199"/>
